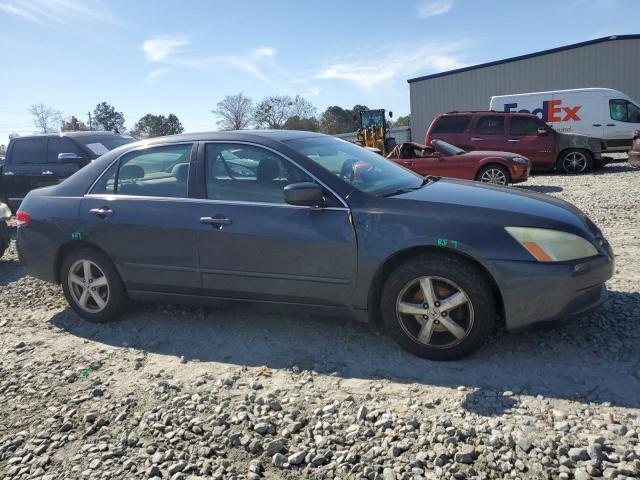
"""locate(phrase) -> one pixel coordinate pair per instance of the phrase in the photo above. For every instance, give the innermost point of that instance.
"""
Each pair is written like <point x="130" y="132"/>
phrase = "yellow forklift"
<point x="374" y="132"/>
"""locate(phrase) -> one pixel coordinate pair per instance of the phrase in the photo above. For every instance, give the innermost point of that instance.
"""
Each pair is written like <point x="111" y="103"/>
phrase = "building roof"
<point x="530" y="55"/>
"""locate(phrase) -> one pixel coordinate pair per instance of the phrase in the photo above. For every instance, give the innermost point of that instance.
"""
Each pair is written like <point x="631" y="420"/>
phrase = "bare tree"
<point x="235" y="112"/>
<point x="274" y="112"/>
<point x="45" y="118"/>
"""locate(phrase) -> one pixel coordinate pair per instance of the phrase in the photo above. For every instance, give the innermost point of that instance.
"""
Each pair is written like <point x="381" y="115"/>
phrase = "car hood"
<point x="531" y="208"/>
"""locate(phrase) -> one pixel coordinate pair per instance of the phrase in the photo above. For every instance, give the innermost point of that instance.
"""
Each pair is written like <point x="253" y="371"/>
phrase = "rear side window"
<point x="29" y="150"/>
<point x="523" y="126"/>
<point x="153" y="172"/>
<point x="61" y="145"/>
<point x="490" y="125"/>
<point x="624" y="111"/>
<point x="451" y="124"/>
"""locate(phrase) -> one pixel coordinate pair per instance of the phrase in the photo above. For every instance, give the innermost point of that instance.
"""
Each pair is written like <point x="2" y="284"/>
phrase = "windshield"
<point x="103" y="143"/>
<point x="361" y="168"/>
<point x="447" y="148"/>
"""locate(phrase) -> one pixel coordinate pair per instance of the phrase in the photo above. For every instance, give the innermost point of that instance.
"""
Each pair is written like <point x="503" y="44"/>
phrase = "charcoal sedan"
<point x="294" y="219"/>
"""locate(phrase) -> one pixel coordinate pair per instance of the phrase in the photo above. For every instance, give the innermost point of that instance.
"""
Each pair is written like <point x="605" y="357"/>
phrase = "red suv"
<point x="521" y="133"/>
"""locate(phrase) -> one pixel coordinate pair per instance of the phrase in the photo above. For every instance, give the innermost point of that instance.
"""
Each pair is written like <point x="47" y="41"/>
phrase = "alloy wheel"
<point x="575" y="162"/>
<point x="495" y="176"/>
<point x="435" y="312"/>
<point x="89" y="286"/>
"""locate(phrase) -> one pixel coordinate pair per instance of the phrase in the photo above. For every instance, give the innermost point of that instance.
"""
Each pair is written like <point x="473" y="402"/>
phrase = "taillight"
<point x="22" y="218"/>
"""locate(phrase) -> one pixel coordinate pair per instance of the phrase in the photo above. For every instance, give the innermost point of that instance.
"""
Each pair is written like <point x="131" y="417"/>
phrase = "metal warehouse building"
<point x="610" y="62"/>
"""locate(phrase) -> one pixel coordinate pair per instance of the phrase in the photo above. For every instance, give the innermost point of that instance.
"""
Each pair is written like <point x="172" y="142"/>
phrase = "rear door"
<point x="139" y="213"/>
<point x="526" y="138"/>
<point x="253" y="245"/>
<point x="55" y="171"/>
<point x="24" y="171"/>
<point x="488" y="133"/>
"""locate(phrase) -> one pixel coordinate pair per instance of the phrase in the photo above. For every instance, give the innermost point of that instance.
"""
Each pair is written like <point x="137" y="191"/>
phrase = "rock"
<point x="176" y="467"/>
<point x="578" y="454"/>
<point x="297" y="458"/>
<point x="465" y="454"/>
<point x="273" y="447"/>
<point x="279" y="460"/>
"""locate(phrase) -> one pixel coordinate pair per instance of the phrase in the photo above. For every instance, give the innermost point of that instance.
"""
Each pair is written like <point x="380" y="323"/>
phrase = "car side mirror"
<point x="542" y="131"/>
<point x="71" y="158"/>
<point x="305" y="194"/>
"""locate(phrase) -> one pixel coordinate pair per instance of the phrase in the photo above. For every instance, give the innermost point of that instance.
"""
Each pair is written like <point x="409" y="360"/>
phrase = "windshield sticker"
<point x="445" y="242"/>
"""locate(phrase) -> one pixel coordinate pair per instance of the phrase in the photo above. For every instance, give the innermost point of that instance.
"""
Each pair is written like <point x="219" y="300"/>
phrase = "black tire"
<point x="469" y="280"/>
<point x="583" y="161"/>
<point x="115" y="300"/>
<point x="493" y="172"/>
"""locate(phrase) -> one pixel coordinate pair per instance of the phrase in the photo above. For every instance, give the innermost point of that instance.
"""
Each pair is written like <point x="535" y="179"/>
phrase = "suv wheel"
<point x="495" y="174"/>
<point x="439" y="307"/>
<point x="92" y="285"/>
<point x="575" y="161"/>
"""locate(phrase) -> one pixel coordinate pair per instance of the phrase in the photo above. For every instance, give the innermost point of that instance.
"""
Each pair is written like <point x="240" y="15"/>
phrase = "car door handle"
<point x="215" y="221"/>
<point x="9" y="173"/>
<point x="47" y="172"/>
<point x="476" y="139"/>
<point x="597" y="125"/>
<point x="102" y="212"/>
<point x="512" y="140"/>
<point x="611" y="124"/>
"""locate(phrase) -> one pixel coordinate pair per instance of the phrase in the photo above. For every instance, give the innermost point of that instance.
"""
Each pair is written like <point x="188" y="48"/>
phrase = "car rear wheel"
<point x="495" y="174"/>
<point x="92" y="286"/>
<point x="575" y="161"/>
<point x="438" y="306"/>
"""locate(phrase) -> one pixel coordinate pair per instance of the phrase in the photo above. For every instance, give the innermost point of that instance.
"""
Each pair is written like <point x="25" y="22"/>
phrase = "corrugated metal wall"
<point x="613" y="64"/>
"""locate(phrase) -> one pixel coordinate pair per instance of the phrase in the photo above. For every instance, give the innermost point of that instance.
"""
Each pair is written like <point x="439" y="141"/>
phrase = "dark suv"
<point x="521" y="133"/>
<point x="41" y="160"/>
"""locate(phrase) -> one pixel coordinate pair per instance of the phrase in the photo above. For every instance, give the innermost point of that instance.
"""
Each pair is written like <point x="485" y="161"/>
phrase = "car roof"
<point x="248" y="135"/>
<point x="86" y="133"/>
<point x="487" y="112"/>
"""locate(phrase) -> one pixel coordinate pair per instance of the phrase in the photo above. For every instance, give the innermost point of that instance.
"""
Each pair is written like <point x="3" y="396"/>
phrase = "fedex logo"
<point x="551" y="111"/>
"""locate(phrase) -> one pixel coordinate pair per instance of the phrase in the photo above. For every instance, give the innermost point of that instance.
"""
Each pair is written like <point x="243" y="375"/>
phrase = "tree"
<point x="13" y="135"/>
<point x="336" y="119"/>
<point x="45" y="118"/>
<point x="403" y="121"/>
<point x="310" y="124"/>
<point x="106" y="118"/>
<point x="157" y="126"/>
<point x="73" y="125"/>
<point x="273" y="112"/>
<point x="235" y="112"/>
<point x="3" y="150"/>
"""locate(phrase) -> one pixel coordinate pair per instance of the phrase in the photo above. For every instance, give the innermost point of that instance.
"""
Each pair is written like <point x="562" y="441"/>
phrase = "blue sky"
<point x="183" y="57"/>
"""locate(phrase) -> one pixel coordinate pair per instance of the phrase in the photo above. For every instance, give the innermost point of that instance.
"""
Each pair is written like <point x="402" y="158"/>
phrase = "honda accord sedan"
<point x="280" y="218"/>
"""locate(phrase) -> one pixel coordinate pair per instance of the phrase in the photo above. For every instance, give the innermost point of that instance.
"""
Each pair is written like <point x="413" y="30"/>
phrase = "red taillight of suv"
<point x="22" y="218"/>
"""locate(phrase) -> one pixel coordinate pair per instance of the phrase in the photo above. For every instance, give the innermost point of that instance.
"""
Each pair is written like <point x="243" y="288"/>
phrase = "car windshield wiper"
<point x="428" y="180"/>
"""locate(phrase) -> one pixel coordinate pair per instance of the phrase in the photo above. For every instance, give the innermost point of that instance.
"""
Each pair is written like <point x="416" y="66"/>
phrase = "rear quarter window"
<point x="451" y="124"/>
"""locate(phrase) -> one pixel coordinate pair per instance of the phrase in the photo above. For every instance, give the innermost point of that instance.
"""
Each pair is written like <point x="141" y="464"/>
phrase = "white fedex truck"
<point x="597" y="112"/>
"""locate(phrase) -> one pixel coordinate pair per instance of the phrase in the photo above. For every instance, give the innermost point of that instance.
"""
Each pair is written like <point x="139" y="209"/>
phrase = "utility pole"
<point x="90" y="124"/>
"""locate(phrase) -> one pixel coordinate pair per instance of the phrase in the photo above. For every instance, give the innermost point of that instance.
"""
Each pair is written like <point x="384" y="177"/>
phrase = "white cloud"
<point x="314" y="92"/>
<point x="402" y="62"/>
<point x="161" y="47"/>
<point x="63" y="12"/>
<point x="157" y="73"/>
<point x="431" y="8"/>
<point x="169" y="49"/>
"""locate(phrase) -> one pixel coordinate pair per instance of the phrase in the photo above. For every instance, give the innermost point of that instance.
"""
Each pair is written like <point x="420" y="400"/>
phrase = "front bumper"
<point x="535" y="293"/>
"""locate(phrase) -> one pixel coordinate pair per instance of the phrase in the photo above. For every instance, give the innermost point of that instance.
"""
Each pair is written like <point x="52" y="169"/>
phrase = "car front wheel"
<point x="92" y="286"/>
<point x="495" y="174"/>
<point x="438" y="306"/>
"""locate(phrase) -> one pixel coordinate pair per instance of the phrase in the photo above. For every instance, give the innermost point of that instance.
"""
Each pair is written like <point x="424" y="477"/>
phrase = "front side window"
<point x="246" y="173"/>
<point x="61" y="145"/>
<point x="452" y="124"/>
<point x="153" y="172"/>
<point x="29" y="150"/>
<point x="523" y="126"/>
<point x="363" y="169"/>
<point x="624" y="111"/>
<point x="490" y="125"/>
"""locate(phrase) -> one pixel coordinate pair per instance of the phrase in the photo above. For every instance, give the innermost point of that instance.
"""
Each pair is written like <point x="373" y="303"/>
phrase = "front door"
<point x="139" y="213"/>
<point x="488" y="133"/>
<point x="532" y="138"/>
<point x="252" y="245"/>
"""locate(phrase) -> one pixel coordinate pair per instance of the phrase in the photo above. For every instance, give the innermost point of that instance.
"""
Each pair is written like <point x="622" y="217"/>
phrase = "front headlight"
<point x="520" y="160"/>
<point x="552" y="245"/>
<point x="5" y="212"/>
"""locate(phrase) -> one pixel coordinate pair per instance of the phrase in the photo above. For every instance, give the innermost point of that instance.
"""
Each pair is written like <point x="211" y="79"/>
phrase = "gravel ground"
<point x="187" y="393"/>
